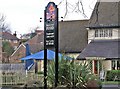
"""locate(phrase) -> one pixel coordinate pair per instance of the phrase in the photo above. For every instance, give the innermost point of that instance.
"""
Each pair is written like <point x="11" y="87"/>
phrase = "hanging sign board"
<point x="51" y="15"/>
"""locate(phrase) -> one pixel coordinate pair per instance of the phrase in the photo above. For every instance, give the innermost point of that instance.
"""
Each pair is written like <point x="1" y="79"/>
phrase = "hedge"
<point x="113" y="75"/>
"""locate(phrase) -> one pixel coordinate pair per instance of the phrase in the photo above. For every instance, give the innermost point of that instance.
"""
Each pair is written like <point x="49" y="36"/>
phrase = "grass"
<point x="111" y="82"/>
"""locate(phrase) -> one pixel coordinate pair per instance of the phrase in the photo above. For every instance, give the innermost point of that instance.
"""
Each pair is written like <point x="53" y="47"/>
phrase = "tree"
<point x="7" y="48"/>
<point x="33" y="31"/>
<point x="77" y="7"/>
<point x="3" y="25"/>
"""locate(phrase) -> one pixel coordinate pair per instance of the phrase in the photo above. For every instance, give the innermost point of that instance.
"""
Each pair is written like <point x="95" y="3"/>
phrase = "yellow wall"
<point x="40" y="65"/>
<point x="73" y="55"/>
<point x="107" y="64"/>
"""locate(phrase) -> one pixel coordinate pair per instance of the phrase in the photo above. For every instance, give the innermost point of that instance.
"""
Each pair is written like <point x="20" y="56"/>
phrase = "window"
<point x="110" y="33"/>
<point x="15" y="41"/>
<point x="113" y="65"/>
<point x="96" y="33"/>
<point x="116" y="65"/>
<point x="103" y="33"/>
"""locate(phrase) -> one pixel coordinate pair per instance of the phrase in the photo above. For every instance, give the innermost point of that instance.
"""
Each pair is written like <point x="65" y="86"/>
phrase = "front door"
<point x="95" y="66"/>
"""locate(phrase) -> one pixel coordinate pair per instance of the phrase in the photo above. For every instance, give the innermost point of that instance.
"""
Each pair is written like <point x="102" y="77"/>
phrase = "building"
<point x="36" y="44"/>
<point x="13" y="44"/>
<point x="11" y="38"/>
<point x="103" y="37"/>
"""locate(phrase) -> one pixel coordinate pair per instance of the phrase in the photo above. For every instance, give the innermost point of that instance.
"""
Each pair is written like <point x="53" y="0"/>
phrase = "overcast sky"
<point x="23" y="15"/>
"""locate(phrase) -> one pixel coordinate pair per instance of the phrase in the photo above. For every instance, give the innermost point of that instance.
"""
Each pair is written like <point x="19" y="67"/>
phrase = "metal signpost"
<point x="51" y="37"/>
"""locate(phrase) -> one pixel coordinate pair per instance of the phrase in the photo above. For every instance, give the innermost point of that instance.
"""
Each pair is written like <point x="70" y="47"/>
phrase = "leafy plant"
<point x="72" y="74"/>
<point x="7" y="48"/>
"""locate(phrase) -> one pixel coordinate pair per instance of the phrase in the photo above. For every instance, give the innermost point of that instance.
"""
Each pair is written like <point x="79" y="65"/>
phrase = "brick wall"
<point x="19" y="53"/>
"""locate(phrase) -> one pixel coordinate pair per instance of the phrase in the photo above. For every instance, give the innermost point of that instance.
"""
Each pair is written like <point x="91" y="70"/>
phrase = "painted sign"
<point x="51" y="38"/>
<point x="51" y="15"/>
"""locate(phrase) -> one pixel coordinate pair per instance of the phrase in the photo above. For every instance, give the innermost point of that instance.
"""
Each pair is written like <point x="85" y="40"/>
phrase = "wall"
<point x="73" y="55"/>
<point x="40" y="65"/>
<point x="107" y="65"/>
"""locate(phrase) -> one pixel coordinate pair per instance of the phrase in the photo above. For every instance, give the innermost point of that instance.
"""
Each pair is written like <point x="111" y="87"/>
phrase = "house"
<point x="72" y="37"/>
<point x="13" y="42"/>
<point x="11" y="38"/>
<point x="103" y="37"/>
<point x="36" y="44"/>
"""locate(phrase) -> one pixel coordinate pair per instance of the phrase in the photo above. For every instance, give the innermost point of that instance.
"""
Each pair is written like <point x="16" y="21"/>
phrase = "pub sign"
<point x="51" y="15"/>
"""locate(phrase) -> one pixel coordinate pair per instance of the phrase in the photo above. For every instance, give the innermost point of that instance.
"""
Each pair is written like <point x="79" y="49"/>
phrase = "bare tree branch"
<point x="2" y="18"/>
<point x="70" y="8"/>
<point x="3" y="25"/>
<point x="83" y="12"/>
<point x="60" y="2"/>
<point x="66" y="9"/>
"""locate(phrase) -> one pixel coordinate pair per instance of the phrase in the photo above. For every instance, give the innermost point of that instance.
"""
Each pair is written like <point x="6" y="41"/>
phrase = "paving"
<point x="111" y="86"/>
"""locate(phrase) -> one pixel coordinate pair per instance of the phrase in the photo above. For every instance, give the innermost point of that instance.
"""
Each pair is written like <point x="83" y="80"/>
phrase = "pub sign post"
<point x="51" y="37"/>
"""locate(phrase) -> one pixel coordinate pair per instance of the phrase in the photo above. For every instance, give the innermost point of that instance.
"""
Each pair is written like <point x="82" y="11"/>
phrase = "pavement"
<point x="111" y="86"/>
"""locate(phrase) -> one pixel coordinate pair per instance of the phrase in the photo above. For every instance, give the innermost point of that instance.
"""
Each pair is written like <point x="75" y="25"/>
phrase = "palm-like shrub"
<point x="71" y="74"/>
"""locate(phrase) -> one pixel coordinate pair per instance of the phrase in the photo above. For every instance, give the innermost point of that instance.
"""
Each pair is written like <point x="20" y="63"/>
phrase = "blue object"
<point x="28" y="63"/>
<point x="40" y="56"/>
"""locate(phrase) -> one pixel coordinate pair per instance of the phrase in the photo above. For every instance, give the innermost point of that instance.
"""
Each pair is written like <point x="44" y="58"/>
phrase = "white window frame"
<point x="103" y="33"/>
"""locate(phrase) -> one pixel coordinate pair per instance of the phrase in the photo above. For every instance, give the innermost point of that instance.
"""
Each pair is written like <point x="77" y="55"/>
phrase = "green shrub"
<point x="72" y="74"/>
<point x="41" y="72"/>
<point x="113" y="75"/>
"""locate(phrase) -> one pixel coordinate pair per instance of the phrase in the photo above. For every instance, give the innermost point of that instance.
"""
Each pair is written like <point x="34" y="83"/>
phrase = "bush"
<point x="41" y="72"/>
<point x="113" y="75"/>
<point x="73" y="74"/>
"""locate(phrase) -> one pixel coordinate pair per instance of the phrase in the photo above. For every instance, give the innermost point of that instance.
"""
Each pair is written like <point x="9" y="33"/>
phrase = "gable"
<point x="18" y="53"/>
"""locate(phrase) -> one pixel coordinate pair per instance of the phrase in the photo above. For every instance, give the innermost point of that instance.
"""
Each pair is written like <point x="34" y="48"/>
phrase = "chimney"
<point x="15" y="34"/>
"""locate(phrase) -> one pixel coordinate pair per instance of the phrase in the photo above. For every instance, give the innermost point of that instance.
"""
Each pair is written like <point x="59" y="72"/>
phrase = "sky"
<point x="24" y="15"/>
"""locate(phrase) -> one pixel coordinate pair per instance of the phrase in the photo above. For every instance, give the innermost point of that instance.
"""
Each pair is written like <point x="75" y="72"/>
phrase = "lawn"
<point x="111" y="82"/>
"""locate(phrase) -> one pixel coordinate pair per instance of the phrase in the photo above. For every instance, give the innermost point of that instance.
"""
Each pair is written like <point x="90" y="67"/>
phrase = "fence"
<point x="19" y="79"/>
<point x="20" y="67"/>
<point x="15" y="74"/>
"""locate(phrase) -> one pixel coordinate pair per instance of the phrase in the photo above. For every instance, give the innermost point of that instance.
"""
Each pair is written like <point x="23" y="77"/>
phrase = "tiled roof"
<point x="36" y="43"/>
<point x="8" y="36"/>
<point x="36" y="47"/>
<point x="108" y="49"/>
